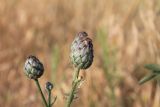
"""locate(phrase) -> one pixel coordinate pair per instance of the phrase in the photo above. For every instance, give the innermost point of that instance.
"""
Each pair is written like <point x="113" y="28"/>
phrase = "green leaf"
<point x="147" y="78"/>
<point x="155" y="68"/>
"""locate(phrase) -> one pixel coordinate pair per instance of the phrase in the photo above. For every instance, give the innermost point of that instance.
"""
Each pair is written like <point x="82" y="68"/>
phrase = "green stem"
<point x="76" y="74"/>
<point x="112" y="89"/>
<point x="158" y="83"/>
<point x="42" y="95"/>
<point x="147" y="78"/>
<point x="49" y="98"/>
<point x="74" y="85"/>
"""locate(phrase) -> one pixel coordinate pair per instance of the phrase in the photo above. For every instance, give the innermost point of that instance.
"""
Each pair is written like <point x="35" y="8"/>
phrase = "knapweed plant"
<point x="34" y="70"/>
<point x="81" y="57"/>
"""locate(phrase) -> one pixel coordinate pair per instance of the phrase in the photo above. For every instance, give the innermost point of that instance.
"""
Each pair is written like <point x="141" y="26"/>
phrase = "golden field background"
<point x="125" y="34"/>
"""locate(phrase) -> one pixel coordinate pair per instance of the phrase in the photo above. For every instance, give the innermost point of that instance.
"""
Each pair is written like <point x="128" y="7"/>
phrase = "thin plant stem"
<point x="40" y="90"/>
<point x="54" y="101"/>
<point x="76" y="74"/>
<point x="112" y="89"/>
<point x="74" y="85"/>
<point x="49" y="98"/>
<point x="158" y="83"/>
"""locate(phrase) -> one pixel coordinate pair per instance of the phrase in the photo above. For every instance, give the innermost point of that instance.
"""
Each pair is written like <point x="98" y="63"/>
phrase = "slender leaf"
<point x="155" y="68"/>
<point x="147" y="78"/>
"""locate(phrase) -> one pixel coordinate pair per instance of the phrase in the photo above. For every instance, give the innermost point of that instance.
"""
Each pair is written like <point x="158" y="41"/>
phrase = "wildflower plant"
<point x="34" y="69"/>
<point x="81" y="56"/>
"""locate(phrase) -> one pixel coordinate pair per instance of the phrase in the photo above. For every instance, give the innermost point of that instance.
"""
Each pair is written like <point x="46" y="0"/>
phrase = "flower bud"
<point x="33" y="68"/>
<point x="49" y="86"/>
<point x="82" y="51"/>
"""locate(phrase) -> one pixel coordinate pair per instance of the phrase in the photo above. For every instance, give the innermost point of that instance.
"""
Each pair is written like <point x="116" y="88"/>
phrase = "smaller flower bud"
<point x="33" y="68"/>
<point x="49" y="86"/>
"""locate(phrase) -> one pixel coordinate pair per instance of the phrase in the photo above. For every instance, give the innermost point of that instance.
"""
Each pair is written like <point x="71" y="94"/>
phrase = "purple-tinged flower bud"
<point x="33" y="68"/>
<point x="82" y="51"/>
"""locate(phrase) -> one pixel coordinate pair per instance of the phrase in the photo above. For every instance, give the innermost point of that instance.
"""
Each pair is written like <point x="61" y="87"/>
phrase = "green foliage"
<point x="155" y="68"/>
<point x="108" y="64"/>
<point x="92" y="104"/>
<point x="147" y="78"/>
<point x="54" y="62"/>
<point x="155" y="72"/>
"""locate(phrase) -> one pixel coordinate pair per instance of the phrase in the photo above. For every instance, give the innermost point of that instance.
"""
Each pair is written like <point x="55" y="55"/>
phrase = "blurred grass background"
<point x="125" y="33"/>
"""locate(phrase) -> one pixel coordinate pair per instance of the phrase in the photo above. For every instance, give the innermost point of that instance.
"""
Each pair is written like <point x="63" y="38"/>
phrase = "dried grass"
<point x="35" y="27"/>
